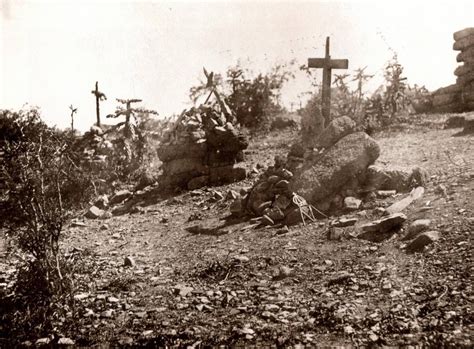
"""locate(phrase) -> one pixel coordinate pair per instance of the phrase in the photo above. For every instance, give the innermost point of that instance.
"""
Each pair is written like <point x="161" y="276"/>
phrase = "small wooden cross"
<point x="73" y="111"/>
<point x="99" y="96"/>
<point x="327" y="64"/>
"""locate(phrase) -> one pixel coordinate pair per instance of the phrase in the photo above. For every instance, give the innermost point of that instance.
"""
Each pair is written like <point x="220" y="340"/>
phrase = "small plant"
<point x="395" y="99"/>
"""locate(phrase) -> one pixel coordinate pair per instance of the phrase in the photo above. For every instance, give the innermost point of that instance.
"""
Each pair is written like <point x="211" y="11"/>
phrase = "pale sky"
<point x="52" y="52"/>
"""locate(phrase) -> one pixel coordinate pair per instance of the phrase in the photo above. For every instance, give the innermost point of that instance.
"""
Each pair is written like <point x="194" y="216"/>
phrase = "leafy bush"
<point x="253" y="99"/>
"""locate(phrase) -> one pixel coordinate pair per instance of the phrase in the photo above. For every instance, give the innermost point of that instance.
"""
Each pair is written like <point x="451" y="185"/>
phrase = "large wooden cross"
<point x="327" y="64"/>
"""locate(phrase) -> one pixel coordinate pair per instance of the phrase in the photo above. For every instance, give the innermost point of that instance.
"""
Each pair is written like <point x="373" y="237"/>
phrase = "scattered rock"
<point x="182" y="290"/>
<point x="352" y="203"/>
<point x="236" y="208"/>
<point x="422" y="240"/>
<point x="232" y="195"/>
<point x="94" y="213"/>
<point x="112" y="299"/>
<point x="65" y="341"/>
<point x="241" y="259"/>
<point x="382" y="229"/>
<point x="43" y="341"/>
<point x="417" y="227"/>
<point x="267" y="220"/>
<point x="385" y="193"/>
<point x="337" y="129"/>
<point x="348" y="329"/>
<point x="398" y="206"/>
<point x="120" y="196"/>
<point x="441" y="189"/>
<point x="385" y="224"/>
<point x="344" y="222"/>
<point x="107" y="313"/>
<point x="77" y="223"/>
<point x="81" y="296"/>
<point x="102" y="202"/>
<point x="335" y="234"/>
<point x="283" y="230"/>
<point x="129" y="262"/>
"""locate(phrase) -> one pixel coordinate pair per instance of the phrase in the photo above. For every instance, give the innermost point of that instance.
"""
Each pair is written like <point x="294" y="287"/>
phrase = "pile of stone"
<point x="459" y="97"/>
<point x="201" y="148"/>
<point x="329" y="173"/>
<point x="271" y="199"/>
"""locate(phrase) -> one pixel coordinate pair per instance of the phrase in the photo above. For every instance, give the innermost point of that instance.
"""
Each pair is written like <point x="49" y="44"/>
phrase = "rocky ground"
<point x="181" y="271"/>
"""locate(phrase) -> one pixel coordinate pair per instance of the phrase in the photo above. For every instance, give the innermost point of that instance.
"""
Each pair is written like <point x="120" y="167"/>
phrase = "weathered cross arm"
<point x="328" y="64"/>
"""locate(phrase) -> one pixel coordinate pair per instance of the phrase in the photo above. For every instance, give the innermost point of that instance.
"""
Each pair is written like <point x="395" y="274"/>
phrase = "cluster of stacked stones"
<point x="201" y="148"/>
<point x="330" y="171"/>
<point x="270" y="198"/>
<point x="459" y="97"/>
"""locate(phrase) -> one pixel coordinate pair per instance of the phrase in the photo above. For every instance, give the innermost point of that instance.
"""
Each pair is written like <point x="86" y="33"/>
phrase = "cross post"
<point x="327" y="64"/>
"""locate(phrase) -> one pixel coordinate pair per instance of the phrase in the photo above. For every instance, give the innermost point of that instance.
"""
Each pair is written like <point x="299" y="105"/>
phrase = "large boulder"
<point x="185" y="149"/>
<point x="338" y="128"/>
<point x="469" y="124"/>
<point x="324" y="175"/>
<point x="185" y="165"/>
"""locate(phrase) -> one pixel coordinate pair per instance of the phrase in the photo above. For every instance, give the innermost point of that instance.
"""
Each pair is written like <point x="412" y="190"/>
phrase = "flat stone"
<point x="399" y="206"/>
<point x="94" y="213"/>
<point x="345" y="222"/>
<point x="385" y="193"/>
<point x="120" y="196"/>
<point x="385" y="224"/>
<point x="182" y="290"/>
<point x="242" y="259"/>
<point x="422" y="240"/>
<point x="382" y="229"/>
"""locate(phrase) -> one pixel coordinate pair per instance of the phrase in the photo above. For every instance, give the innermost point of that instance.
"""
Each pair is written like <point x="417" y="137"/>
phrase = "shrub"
<point x="42" y="185"/>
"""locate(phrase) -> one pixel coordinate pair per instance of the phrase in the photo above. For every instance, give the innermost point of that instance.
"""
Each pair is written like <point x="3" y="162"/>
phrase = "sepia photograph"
<point x="236" y="174"/>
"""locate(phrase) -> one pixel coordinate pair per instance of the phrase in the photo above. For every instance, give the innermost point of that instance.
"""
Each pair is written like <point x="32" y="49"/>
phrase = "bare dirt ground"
<point x="200" y="279"/>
